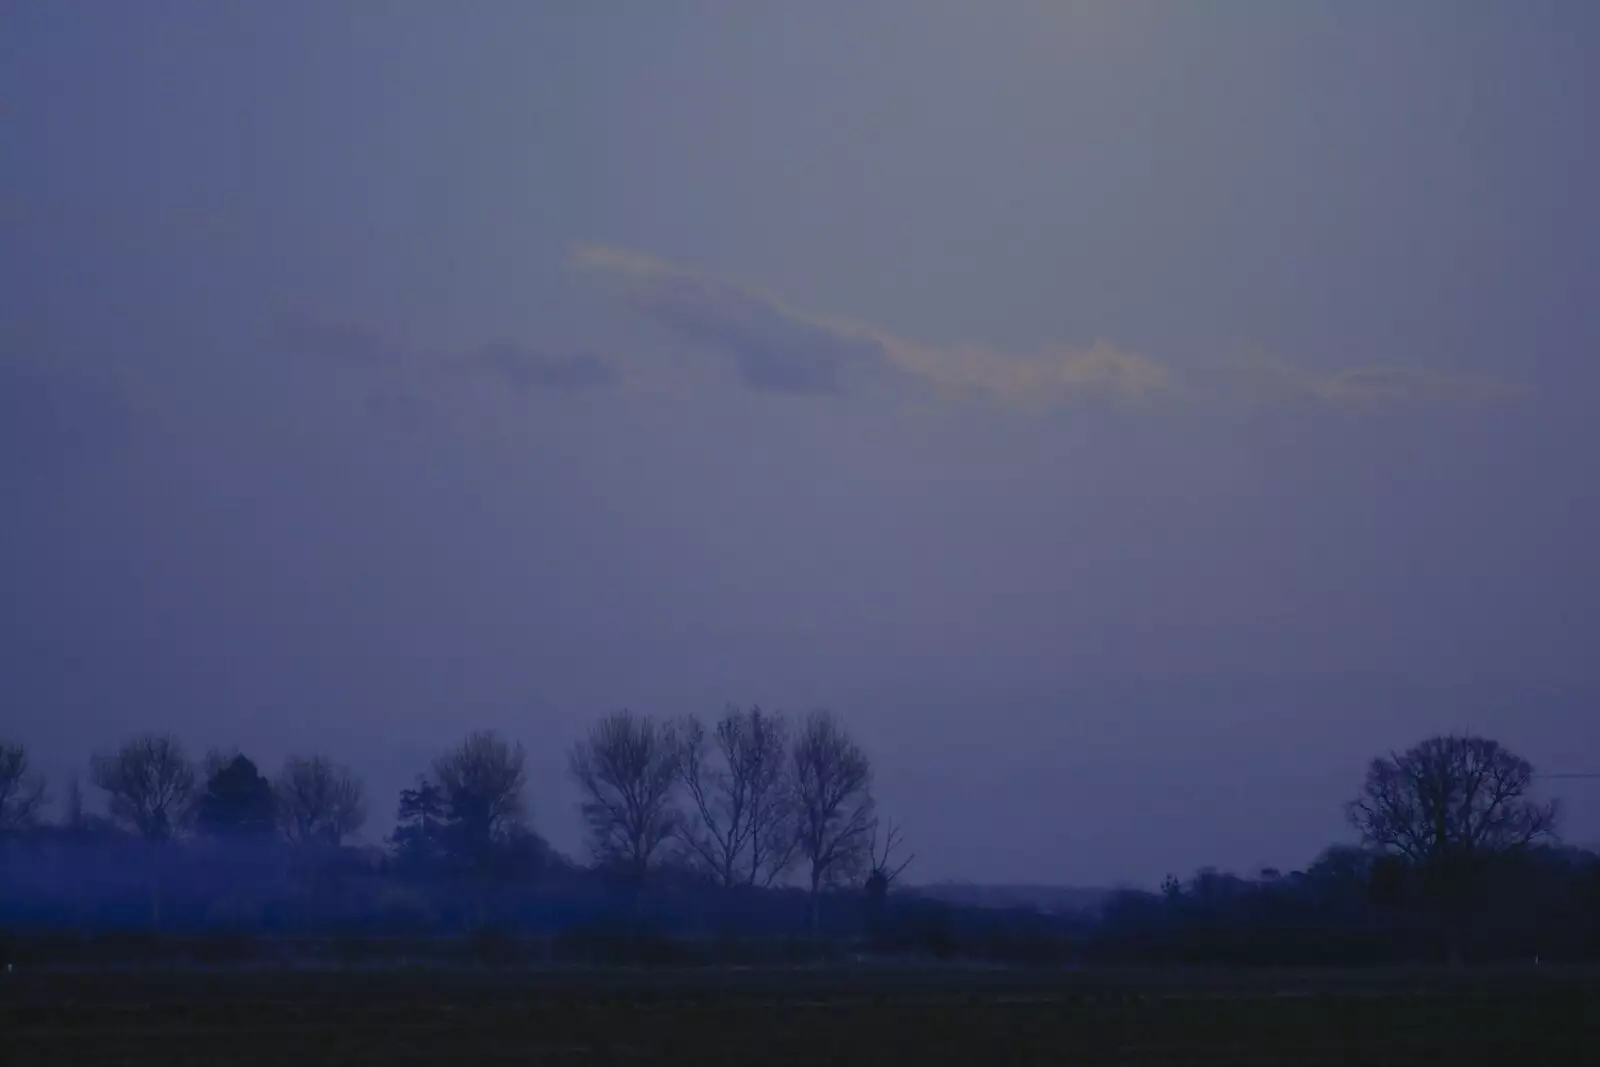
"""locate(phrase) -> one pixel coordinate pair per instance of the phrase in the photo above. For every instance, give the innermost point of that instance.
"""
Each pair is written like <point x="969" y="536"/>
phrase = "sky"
<point x="1129" y="417"/>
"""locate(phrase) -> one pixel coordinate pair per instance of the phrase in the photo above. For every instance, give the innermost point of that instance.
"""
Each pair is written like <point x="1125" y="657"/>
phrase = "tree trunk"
<point x="816" y="907"/>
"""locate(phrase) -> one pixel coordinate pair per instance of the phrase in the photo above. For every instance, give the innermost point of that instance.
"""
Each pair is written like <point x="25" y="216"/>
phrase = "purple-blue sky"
<point x="1129" y="416"/>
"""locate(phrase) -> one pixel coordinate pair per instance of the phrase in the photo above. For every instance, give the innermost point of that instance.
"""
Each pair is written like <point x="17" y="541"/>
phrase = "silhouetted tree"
<point x="150" y="789"/>
<point x="1450" y="808"/>
<point x="1451" y="798"/>
<point x="626" y="769"/>
<point x="318" y="801"/>
<point x="22" y="791"/>
<point x="740" y="828"/>
<point x="418" y="837"/>
<point x="523" y="853"/>
<point x="831" y="789"/>
<point x="149" y="784"/>
<point x="885" y="869"/>
<point x="1342" y="864"/>
<point x="236" y="801"/>
<point x="481" y="780"/>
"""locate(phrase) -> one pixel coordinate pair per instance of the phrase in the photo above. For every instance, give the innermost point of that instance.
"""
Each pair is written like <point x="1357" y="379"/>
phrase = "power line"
<point x="1576" y="774"/>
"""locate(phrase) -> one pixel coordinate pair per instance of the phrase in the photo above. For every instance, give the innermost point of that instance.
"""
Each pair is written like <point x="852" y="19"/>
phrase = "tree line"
<point x="745" y="801"/>
<point x="761" y="822"/>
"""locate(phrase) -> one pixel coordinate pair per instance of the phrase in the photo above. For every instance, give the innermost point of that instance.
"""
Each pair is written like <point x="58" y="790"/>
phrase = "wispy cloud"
<point x="520" y="366"/>
<point x="1375" y="389"/>
<point x="776" y="348"/>
<point x="1058" y="374"/>
<point x="773" y="348"/>
<point x="524" y="367"/>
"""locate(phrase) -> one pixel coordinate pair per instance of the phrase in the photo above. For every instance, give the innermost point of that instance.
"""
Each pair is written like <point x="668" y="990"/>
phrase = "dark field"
<point x="1523" y="1018"/>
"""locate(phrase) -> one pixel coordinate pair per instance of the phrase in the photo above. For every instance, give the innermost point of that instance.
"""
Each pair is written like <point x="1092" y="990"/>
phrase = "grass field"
<point x="931" y="1016"/>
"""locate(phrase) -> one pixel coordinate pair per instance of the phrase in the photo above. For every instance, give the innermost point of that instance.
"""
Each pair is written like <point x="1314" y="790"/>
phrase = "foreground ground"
<point x="823" y="1017"/>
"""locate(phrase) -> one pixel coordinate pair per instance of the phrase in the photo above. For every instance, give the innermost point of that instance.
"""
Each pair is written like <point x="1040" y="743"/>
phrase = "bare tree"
<point x="319" y="802"/>
<point x="627" y="768"/>
<point x="149" y="783"/>
<point x="1451" y="799"/>
<point x="740" y="828"/>
<point x="885" y="869"/>
<point x="831" y="788"/>
<point x="22" y="791"/>
<point x="482" y="780"/>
